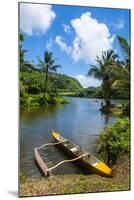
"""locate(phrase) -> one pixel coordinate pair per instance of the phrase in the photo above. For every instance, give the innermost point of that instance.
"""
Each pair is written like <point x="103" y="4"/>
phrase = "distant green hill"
<point x="33" y="82"/>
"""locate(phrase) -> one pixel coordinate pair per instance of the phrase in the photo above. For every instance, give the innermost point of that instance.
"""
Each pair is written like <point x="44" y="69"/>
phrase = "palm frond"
<point x="54" y="67"/>
<point x="124" y="45"/>
<point x="96" y="72"/>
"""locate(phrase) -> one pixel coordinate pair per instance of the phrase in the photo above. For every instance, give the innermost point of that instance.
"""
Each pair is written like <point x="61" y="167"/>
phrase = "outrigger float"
<point x="83" y="158"/>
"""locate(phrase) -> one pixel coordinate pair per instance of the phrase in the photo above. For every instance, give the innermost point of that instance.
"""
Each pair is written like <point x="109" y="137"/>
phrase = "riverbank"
<point x="112" y="108"/>
<point x="30" y="100"/>
<point x="75" y="184"/>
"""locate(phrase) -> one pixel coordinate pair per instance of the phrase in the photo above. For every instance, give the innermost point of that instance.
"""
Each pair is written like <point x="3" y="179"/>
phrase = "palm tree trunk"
<point x="46" y="79"/>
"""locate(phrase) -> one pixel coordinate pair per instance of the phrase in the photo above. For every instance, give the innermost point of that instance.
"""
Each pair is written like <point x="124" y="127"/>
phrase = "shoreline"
<point x="75" y="184"/>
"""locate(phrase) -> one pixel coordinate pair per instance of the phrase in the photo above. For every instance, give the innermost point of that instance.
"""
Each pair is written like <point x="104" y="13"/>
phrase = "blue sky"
<point x="75" y="35"/>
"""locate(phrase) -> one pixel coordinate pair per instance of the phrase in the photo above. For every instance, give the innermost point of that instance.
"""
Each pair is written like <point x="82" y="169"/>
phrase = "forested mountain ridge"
<point x="33" y="82"/>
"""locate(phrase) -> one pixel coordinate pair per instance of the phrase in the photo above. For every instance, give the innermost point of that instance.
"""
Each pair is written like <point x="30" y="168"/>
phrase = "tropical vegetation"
<point x="47" y="65"/>
<point x="90" y="92"/>
<point x="33" y="89"/>
<point x="40" y="84"/>
<point x="114" y="141"/>
<point x="114" y="73"/>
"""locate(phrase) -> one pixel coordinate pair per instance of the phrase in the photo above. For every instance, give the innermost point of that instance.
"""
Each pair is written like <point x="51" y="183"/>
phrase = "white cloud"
<point x="87" y="81"/>
<point x="49" y="44"/>
<point x="66" y="28"/>
<point x="120" y="24"/>
<point x="76" y="50"/>
<point x="36" y="18"/>
<point x="91" y="38"/>
<point x="61" y="43"/>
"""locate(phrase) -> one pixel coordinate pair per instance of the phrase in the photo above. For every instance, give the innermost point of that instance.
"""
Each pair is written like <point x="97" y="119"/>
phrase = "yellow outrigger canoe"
<point x="85" y="159"/>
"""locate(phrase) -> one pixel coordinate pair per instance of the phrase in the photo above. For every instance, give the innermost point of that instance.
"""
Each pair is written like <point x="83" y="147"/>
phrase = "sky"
<point x="75" y="35"/>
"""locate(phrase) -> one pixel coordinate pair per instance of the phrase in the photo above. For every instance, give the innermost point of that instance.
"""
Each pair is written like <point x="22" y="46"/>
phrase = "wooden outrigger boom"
<point x="65" y="161"/>
<point x="41" y="164"/>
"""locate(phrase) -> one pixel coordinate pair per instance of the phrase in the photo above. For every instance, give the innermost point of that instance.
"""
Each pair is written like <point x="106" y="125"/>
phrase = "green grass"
<point x="75" y="184"/>
<point x="67" y="93"/>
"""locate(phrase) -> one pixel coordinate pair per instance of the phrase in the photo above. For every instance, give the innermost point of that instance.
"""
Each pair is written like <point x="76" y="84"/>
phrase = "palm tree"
<point x="124" y="46"/>
<point x="104" y="71"/>
<point x="122" y="75"/>
<point x="47" y="65"/>
<point x="21" y="51"/>
<point x="24" y="65"/>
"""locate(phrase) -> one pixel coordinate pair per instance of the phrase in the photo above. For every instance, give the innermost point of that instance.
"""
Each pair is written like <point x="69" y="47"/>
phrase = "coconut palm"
<point x="124" y="46"/>
<point x="122" y="76"/>
<point x="21" y="51"/>
<point x="47" y="65"/>
<point x="24" y="65"/>
<point x="104" y="71"/>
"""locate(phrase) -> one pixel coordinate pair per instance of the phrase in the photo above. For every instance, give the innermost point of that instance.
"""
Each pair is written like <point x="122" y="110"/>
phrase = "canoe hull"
<point x="86" y="166"/>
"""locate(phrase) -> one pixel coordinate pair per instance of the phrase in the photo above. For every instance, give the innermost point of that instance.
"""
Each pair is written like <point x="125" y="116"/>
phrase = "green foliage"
<point x="28" y="101"/>
<point x="126" y="110"/>
<point x="124" y="46"/>
<point x="114" y="141"/>
<point x="24" y="65"/>
<point x="42" y="99"/>
<point x="32" y="88"/>
<point x="91" y="92"/>
<point x="21" y="37"/>
<point x="22" y="90"/>
<point x="114" y="73"/>
<point x="34" y="82"/>
<point x="102" y="71"/>
<point x="47" y="65"/>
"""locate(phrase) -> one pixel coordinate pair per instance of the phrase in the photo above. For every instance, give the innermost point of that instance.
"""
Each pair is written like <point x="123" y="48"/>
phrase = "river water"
<point x="80" y="121"/>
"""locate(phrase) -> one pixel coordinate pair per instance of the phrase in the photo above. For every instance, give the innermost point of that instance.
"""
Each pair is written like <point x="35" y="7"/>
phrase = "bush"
<point x="126" y="110"/>
<point x="42" y="99"/>
<point x="28" y="101"/>
<point x="22" y="90"/>
<point x="114" y="141"/>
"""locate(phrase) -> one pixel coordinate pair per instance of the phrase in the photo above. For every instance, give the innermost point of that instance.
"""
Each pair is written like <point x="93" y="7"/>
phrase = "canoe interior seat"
<point x="65" y="143"/>
<point x="74" y="149"/>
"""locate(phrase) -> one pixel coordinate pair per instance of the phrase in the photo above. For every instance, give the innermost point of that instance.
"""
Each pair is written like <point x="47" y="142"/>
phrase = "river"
<point x="80" y="121"/>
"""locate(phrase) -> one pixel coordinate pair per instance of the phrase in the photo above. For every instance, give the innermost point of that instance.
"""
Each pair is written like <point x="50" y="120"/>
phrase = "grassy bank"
<point x="74" y="184"/>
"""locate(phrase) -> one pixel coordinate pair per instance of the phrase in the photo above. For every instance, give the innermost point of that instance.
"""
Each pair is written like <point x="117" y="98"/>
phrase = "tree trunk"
<point x="107" y="102"/>
<point x="46" y="79"/>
